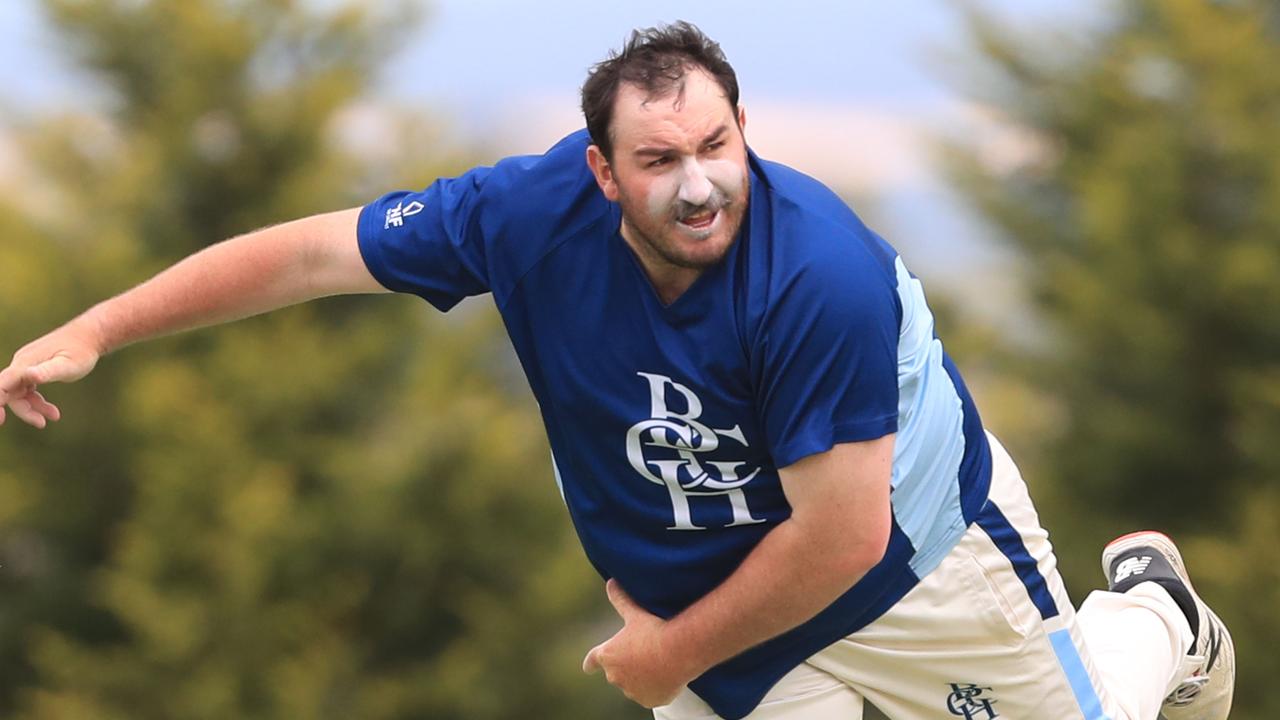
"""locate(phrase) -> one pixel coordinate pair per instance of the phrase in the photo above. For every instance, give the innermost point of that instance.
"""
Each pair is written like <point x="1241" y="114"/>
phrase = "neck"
<point x="669" y="280"/>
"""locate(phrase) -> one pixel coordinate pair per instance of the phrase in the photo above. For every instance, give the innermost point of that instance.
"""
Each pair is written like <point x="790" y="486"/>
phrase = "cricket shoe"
<point x="1210" y="666"/>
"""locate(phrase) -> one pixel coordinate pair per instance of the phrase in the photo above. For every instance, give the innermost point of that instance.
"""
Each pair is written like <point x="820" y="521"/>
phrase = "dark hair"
<point x="657" y="59"/>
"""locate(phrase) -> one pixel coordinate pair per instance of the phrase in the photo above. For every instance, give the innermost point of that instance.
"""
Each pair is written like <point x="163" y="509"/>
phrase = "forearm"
<point x="839" y="528"/>
<point x="786" y="580"/>
<point x="244" y="276"/>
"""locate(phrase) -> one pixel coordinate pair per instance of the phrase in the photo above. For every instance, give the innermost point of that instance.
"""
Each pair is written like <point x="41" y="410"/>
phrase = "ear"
<point x="742" y="118"/>
<point x="599" y="165"/>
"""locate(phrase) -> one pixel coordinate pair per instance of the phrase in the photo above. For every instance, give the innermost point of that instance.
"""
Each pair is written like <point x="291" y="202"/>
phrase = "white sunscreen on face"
<point x="726" y="176"/>
<point x="663" y="194"/>
<point x="695" y="188"/>
<point x="694" y="183"/>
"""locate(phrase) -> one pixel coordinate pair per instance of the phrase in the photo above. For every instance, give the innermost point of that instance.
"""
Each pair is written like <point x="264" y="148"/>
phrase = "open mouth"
<point x="700" y="221"/>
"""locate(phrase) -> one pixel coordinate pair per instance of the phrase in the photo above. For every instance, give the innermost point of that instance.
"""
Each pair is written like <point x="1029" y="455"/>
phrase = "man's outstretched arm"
<point x="838" y="530"/>
<point x="246" y="275"/>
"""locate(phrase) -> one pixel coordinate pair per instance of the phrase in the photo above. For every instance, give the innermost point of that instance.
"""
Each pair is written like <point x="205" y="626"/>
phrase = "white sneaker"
<point x="1210" y="667"/>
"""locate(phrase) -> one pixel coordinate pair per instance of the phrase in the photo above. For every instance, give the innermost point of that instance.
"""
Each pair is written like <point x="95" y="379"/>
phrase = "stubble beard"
<point x="660" y="240"/>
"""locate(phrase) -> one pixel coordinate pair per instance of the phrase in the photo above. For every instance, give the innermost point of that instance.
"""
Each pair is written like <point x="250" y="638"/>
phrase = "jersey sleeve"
<point x="828" y="368"/>
<point x="431" y="243"/>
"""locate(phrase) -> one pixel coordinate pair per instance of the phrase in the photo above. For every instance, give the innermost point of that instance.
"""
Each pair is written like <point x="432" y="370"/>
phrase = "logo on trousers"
<point x="664" y="449"/>
<point x="966" y="701"/>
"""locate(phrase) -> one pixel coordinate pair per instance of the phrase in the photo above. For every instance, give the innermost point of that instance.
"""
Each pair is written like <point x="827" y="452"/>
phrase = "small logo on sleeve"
<point x="397" y="214"/>
<point x="967" y="701"/>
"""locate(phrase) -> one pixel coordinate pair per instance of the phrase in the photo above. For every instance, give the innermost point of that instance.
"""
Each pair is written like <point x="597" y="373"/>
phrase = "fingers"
<point x="14" y="383"/>
<point x="44" y="407"/>
<point x="32" y="409"/>
<point x="18" y="383"/>
<point x="10" y="383"/>
<point x="591" y="663"/>
<point x="32" y="367"/>
<point x="22" y="409"/>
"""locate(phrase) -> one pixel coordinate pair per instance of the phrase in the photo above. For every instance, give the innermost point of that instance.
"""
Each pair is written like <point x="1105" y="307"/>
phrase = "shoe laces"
<point x="1188" y="691"/>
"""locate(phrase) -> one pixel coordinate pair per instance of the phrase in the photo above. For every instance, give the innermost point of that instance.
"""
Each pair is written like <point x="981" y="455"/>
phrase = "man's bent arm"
<point x="838" y="530"/>
<point x="250" y="274"/>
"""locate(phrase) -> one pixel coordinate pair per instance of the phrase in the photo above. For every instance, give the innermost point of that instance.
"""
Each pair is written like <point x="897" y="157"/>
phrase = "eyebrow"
<point x="657" y="151"/>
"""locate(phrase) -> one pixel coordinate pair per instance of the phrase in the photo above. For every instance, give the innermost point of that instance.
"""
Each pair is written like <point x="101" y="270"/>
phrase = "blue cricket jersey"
<point x="668" y="423"/>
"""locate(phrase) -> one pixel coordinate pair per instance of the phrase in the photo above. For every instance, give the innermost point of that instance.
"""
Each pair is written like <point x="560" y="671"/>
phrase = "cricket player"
<point x="761" y="442"/>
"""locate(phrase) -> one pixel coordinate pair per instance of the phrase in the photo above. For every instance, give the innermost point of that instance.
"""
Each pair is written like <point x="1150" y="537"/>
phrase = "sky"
<point x="852" y="92"/>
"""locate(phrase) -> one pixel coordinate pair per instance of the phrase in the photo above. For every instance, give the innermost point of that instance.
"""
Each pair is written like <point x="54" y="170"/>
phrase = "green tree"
<point x="339" y="510"/>
<point x="1148" y="223"/>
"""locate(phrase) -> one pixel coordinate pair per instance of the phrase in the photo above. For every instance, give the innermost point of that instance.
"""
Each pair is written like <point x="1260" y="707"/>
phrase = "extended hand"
<point x="64" y="355"/>
<point x="634" y="660"/>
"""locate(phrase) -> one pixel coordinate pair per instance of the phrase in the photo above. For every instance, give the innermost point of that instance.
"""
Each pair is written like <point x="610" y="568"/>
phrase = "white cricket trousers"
<point x="991" y="634"/>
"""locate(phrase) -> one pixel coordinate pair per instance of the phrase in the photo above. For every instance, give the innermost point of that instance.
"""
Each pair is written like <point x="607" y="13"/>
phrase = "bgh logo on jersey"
<point x="665" y="449"/>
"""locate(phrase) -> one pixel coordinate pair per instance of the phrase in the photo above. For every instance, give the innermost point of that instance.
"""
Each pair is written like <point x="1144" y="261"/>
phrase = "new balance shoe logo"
<point x="1131" y="566"/>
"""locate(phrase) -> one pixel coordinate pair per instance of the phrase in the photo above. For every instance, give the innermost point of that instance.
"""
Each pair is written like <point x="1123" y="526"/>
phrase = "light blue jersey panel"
<point x="930" y="442"/>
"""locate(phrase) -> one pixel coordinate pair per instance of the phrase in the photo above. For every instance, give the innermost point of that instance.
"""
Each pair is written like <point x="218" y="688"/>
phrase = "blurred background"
<point x="345" y="509"/>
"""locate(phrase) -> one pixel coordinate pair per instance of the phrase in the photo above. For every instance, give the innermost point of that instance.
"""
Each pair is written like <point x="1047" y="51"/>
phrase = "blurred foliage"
<point x="340" y="510"/>
<point x="1147" y="219"/>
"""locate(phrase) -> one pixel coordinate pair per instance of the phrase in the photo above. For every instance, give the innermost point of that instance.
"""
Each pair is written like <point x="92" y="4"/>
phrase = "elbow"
<point x="866" y="546"/>
<point x="867" y="553"/>
<point x="875" y="548"/>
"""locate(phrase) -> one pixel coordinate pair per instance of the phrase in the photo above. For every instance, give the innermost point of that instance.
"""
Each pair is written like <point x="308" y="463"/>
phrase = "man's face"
<point x="679" y="172"/>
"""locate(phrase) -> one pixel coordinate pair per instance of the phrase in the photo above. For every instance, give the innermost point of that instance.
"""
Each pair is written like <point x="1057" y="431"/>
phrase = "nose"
<point x="695" y="188"/>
